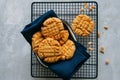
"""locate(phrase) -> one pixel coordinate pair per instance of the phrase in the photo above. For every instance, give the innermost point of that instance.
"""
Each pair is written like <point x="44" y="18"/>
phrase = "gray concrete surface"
<point x="15" y="51"/>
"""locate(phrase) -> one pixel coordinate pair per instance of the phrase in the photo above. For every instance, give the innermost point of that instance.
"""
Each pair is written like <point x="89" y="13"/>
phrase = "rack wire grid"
<point x="68" y="11"/>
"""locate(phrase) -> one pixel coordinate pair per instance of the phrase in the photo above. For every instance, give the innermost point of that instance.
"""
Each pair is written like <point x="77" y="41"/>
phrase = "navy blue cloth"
<point x="64" y="69"/>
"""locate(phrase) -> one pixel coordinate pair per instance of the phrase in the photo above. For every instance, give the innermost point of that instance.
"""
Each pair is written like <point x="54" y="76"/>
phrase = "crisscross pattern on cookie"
<point x="68" y="49"/>
<point x="48" y="48"/>
<point x="83" y="25"/>
<point x="52" y="27"/>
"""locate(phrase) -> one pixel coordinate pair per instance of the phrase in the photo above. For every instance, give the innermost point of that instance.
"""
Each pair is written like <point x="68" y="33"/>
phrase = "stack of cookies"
<point x="52" y="43"/>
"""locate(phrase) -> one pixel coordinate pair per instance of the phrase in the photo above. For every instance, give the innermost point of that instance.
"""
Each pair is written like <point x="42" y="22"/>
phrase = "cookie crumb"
<point x="107" y="61"/>
<point x="90" y="43"/>
<point x="90" y="49"/>
<point x="106" y="27"/>
<point x="102" y="50"/>
<point x="82" y="9"/>
<point x="98" y="34"/>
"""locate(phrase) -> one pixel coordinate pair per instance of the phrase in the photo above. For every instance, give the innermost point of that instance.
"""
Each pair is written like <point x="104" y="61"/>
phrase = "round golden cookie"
<point x="52" y="27"/>
<point x="83" y="25"/>
<point x="68" y="49"/>
<point x="48" y="48"/>
<point x="36" y="39"/>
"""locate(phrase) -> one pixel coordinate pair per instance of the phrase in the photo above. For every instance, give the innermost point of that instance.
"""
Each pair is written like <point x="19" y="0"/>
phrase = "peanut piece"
<point x="90" y="43"/>
<point x="82" y="9"/>
<point x="102" y="50"/>
<point x="106" y="27"/>
<point x="93" y="7"/>
<point x="90" y="49"/>
<point x="86" y="5"/>
<point x="107" y="61"/>
<point x="98" y="34"/>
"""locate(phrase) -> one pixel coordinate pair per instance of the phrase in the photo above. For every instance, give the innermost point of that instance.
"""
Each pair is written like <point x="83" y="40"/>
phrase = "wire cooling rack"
<point x="68" y="11"/>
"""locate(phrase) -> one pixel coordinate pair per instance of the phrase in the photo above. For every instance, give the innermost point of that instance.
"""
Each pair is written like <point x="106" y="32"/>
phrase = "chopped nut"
<point x="93" y="7"/>
<point x="86" y="5"/>
<point x="90" y="43"/>
<point x="98" y="34"/>
<point x="102" y="50"/>
<point x="107" y="61"/>
<point x="90" y="49"/>
<point x="82" y="9"/>
<point x="106" y="27"/>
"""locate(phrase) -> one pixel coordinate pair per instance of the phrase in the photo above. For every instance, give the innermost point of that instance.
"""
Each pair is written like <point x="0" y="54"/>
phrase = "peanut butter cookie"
<point x="36" y="39"/>
<point x="52" y="27"/>
<point x="66" y="52"/>
<point x="83" y="25"/>
<point x="68" y="49"/>
<point x="48" y="48"/>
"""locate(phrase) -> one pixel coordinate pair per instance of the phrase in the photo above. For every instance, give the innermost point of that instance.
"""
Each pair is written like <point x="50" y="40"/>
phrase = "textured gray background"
<point x="15" y="51"/>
